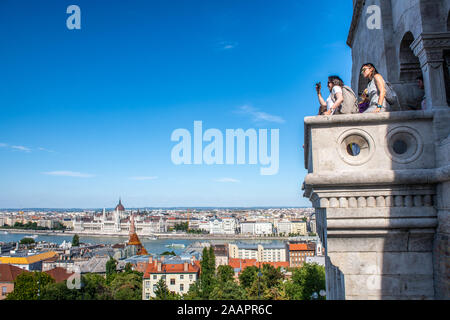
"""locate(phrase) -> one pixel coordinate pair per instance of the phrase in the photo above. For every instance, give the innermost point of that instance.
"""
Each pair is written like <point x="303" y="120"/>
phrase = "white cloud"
<point x="3" y="144"/>
<point x="21" y="148"/>
<point x="227" y="45"/>
<point x="44" y="149"/>
<point x="68" y="174"/>
<point x="227" y="180"/>
<point x="259" y="116"/>
<point x="143" y="178"/>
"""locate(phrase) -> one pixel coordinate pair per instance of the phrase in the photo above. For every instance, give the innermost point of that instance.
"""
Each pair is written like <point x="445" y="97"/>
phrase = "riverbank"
<point x="181" y="236"/>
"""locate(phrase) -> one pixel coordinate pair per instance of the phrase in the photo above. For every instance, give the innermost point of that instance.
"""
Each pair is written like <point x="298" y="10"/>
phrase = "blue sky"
<point x="86" y="115"/>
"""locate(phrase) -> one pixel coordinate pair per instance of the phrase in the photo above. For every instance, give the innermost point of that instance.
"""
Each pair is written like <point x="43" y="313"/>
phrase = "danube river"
<point x="152" y="246"/>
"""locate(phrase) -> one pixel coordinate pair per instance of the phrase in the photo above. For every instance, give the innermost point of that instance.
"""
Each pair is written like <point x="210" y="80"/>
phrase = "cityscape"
<point x="155" y="244"/>
<point x="226" y="153"/>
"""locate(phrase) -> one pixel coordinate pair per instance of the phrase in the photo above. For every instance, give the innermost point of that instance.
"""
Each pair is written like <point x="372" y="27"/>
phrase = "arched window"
<point x="409" y="63"/>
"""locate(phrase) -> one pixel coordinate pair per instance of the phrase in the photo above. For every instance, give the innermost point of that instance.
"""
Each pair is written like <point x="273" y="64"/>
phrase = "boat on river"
<point x="176" y="245"/>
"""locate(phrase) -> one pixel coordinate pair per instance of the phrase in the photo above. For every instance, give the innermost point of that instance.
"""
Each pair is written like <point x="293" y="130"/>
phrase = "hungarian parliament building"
<point x="119" y="222"/>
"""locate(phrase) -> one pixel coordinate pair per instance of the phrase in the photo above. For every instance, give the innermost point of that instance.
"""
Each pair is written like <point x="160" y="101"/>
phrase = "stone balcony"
<point x="373" y="179"/>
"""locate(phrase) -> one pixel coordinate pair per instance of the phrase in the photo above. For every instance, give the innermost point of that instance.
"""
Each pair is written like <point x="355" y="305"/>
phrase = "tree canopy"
<point x="29" y="286"/>
<point x="75" y="241"/>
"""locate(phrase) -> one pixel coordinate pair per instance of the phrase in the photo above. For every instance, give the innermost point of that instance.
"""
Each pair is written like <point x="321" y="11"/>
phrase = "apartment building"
<point x="284" y="227"/>
<point x="299" y="227"/>
<point x="258" y="252"/>
<point x="298" y="252"/>
<point x="27" y="260"/>
<point x="178" y="275"/>
<point x="256" y="228"/>
<point x="8" y="274"/>
<point x="224" y="225"/>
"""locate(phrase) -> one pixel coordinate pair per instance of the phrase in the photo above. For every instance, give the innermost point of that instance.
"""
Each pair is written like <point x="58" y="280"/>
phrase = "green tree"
<point x="126" y="286"/>
<point x="306" y="280"/>
<point x="228" y="290"/>
<point x="59" y="291"/>
<point x="248" y="276"/>
<point x="27" y="241"/>
<point x="194" y="292"/>
<point x="271" y="275"/>
<point x="257" y="288"/>
<point x="162" y="292"/>
<point x="168" y="253"/>
<point x="111" y="268"/>
<point x="128" y="268"/>
<point x="277" y="292"/>
<point x="59" y="226"/>
<point x="181" y="226"/>
<point x="28" y="286"/>
<point x="75" y="241"/>
<point x="94" y="287"/>
<point x="208" y="271"/>
<point x="225" y="273"/>
<point x="18" y="225"/>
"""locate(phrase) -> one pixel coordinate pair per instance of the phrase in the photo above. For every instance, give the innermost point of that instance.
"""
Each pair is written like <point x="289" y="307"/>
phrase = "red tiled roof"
<point x="171" y="268"/>
<point x="9" y="273"/>
<point x="141" y="266"/>
<point x="241" y="263"/>
<point x="59" y="274"/>
<point x="298" y="247"/>
<point x="244" y="263"/>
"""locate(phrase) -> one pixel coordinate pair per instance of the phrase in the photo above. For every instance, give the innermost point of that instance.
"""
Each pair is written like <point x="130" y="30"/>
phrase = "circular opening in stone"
<point x="353" y="149"/>
<point x="400" y="147"/>
<point x="404" y="144"/>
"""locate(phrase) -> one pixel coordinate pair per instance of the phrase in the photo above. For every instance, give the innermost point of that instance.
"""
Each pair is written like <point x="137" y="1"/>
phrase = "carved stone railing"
<point x="372" y="179"/>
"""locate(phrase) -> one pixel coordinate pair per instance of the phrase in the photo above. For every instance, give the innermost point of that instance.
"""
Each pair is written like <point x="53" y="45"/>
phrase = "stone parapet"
<point x="376" y="183"/>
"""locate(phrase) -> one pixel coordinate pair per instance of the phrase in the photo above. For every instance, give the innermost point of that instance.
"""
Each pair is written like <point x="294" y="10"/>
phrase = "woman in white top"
<point x="335" y="98"/>
<point x="376" y="88"/>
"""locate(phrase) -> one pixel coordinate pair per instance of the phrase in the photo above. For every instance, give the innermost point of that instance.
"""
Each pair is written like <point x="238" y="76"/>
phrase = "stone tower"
<point x="383" y="215"/>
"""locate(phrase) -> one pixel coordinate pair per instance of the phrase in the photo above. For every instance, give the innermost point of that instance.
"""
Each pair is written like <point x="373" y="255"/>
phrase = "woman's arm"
<point x="321" y="100"/>
<point x="381" y="87"/>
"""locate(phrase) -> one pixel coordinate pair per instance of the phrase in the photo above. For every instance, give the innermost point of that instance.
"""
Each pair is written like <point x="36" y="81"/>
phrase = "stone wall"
<point x="376" y="211"/>
<point x="383" y="207"/>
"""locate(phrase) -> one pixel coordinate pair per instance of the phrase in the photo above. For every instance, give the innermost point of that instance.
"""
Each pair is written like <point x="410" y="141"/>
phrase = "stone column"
<point x="378" y="242"/>
<point x="428" y="47"/>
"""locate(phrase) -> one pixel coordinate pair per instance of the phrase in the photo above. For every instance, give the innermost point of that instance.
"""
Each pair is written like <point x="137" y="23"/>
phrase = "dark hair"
<point x="369" y="65"/>
<point x="336" y="81"/>
<point x="420" y="78"/>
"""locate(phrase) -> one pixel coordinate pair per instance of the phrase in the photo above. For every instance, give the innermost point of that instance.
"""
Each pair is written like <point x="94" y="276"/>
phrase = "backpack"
<point x="391" y="95"/>
<point x="350" y="104"/>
